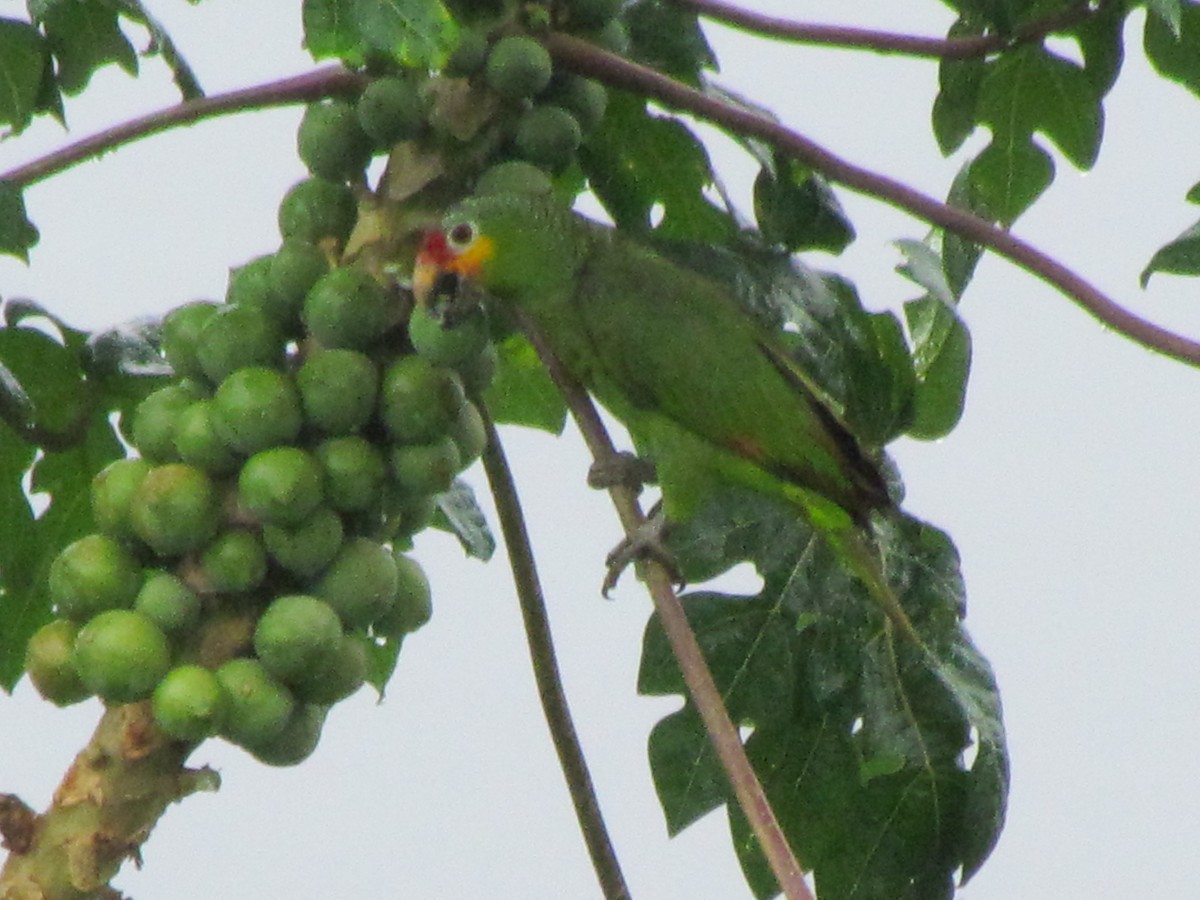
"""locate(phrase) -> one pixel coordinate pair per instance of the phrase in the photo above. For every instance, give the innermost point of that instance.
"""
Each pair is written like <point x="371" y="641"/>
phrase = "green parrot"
<point x="704" y="389"/>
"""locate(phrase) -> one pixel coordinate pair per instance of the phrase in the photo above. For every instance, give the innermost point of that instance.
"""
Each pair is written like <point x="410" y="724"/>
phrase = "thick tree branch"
<point x="884" y="41"/>
<point x="304" y="88"/>
<point x="545" y="669"/>
<point x="701" y="688"/>
<point x="586" y="59"/>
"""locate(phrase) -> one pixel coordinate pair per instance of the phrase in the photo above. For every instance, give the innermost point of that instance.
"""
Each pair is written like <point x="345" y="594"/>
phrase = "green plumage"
<point x="704" y="388"/>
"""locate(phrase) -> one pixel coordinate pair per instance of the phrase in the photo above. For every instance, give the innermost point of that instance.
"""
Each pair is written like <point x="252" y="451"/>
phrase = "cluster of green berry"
<point x="250" y="558"/>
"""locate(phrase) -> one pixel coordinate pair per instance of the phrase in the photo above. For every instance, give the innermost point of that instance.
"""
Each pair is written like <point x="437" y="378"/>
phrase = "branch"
<point x="696" y="675"/>
<point x="586" y="59"/>
<point x="284" y="92"/>
<point x="545" y="668"/>
<point x="883" y="41"/>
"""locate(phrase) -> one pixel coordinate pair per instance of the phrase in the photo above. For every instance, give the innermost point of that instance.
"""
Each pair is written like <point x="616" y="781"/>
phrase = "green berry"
<point x="391" y="110"/>
<point x="112" y="493"/>
<point x="258" y="707"/>
<point x="348" y="308"/>
<point x="341" y="675"/>
<point x="360" y="583"/>
<point x="295" y="268"/>
<point x="189" y="703"/>
<point x="91" y="575"/>
<point x="470" y="54"/>
<point x="585" y="99"/>
<point x="413" y="514"/>
<point x="49" y="660"/>
<point x="281" y="486"/>
<point x="613" y="37"/>
<point x="331" y="143"/>
<point x="235" y="561"/>
<point x="446" y="345"/>
<point x="354" y="472"/>
<point x="315" y="210"/>
<point x="469" y="434"/>
<point x="514" y="176"/>
<point x="235" y="338"/>
<point x="156" y="417"/>
<point x="419" y="469"/>
<point x="412" y="607"/>
<point x="477" y="373"/>
<point x="518" y="67"/>
<point x="548" y="136"/>
<point x="338" y="390"/>
<point x="121" y="655"/>
<point x="296" y="741"/>
<point x="181" y="336"/>
<point x="253" y="286"/>
<point x="174" y="509"/>
<point x="419" y="401"/>
<point x="295" y="634"/>
<point x="169" y="603"/>
<point x="199" y="443"/>
<point x="305" y="549"/>
<point x="256" y="408"/>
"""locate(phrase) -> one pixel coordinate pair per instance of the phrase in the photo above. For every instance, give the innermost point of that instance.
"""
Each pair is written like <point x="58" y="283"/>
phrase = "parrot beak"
<point x="430" y="269"/>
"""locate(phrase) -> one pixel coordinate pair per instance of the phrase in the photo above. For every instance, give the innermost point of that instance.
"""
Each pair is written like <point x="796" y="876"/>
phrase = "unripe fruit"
<point x="518" y="67"/>
<point x="181" y="336"/>
<point x="613" y="37"/>
<point x="591" y="13"/>
<point x="255" y="408"/>
<point x="174" y="509"/>
<point x="91" y="575"/>
<point x="316" y="209"/>
<point x="470" y="54"/>
<point x="342" y="674"/>
<point x="169" y="603"/>
<point x="305" y="549"/>
<point x="548" y="136"/>
<point x="419" y="401"/>
<point x="189" y="703"/>
<point x="412" y="607"/>
<point x="360" y="583"/>
<point x="391" y="110"/>
<point x="338" y="390"/>
<point x="121" y="655"/>
<point x="296" y="741"/>
<point x="281" y="486"/>
<point x="420" y="469"/>
<point x="448" y="345"/>
<point x="295" y="268"/>
<point x="330" y="141"/>
<point x="413" y="514"/>
<point x="514" y="176"/>
<point x="235" y="561"/>
<point x="477" y="373"/>
<point x="258" y="706"/>
<point x="585" y="99"/>
<point x="348" y="308"/>
<point x="235" y="338"/>
<point x="354" y="472"/>
<point x="112" y="493"/>
<point x="469" y="434"/>
<point x="295" y="634"/>
<point x="198" y="441"/>
<point x="49" y="660"/>
<point x="252" y="287"/>
<point x="156" y="417"/>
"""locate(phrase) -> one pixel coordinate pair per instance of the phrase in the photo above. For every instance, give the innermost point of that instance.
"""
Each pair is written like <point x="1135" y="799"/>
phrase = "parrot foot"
<point x="621" y="469"/>
<point x="644" y="543"/>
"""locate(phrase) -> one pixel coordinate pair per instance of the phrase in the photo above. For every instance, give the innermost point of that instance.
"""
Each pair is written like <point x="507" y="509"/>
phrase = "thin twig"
<point x="848" y="37"/>
<point x="545" y="668"/>
<point x="751" y="797"/>
<point x="586" y="59"/>
<point x="326" y="82"/>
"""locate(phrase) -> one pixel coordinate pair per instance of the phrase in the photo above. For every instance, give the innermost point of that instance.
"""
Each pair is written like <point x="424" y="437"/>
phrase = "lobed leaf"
<point x="1180" y="257"/>
<point x="83" y="37"/>
<point x="24" y="60"/>
<point x="522" y="393"/>
<point x="797" y="210"/>
<point x="17" y="233"/>
<point x="1173" y="46"/>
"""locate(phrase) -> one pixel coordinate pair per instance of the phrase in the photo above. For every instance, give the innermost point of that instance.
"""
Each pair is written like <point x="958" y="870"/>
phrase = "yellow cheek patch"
<point x="478" y="253"/>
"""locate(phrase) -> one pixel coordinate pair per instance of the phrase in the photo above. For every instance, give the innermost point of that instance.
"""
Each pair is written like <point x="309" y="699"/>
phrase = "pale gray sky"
<point x="1069" y="489"/>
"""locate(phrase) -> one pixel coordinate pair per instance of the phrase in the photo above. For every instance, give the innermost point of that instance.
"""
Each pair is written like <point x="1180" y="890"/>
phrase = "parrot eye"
<point x="461" y="236"/>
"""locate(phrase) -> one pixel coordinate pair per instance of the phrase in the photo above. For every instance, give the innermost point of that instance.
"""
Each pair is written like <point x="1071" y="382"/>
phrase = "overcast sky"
<point x="1069" y="488"/>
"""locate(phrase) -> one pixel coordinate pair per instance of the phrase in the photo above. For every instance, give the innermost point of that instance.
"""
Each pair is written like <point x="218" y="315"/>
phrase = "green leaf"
<point x="797" y="210"/>
<point x="1031" y="90"/>
<point x="1193" y="194"/>
<point x="23" y="62"/>
<point x="415" y="33"/>
<point x="17" y="233"/>
<point x="84" y="37"/>
<point x="44" y="381"/>
<point x="1175" y="52"/>
<point x="382" y="656"/>
<point x="163" y="44"/>
<point x="942" y="361"/>
<point x="458" y="512"/>
<point x="1180" y="257"/>
<point x="21" y="610"/>
<point x="1167" y="12"/>
<point x="522" y="393"/>
<point x="331" y="30"/>
<point x="960" y="256"/>
<point x="1009" y="176"/>
<point x="688" y="777"/>
<point x="667" y="37"/>
<point x="1102" y="42"/>
<point x="955" y="107"/>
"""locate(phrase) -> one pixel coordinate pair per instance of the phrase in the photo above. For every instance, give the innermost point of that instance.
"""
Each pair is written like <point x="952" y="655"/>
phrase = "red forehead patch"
<point x="435" y="250"/>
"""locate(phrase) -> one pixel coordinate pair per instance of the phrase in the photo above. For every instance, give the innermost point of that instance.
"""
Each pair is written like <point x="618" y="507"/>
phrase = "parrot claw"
<point x="621" y="470"/>
<point x="644" y="543"/>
